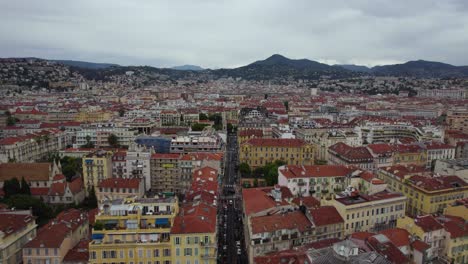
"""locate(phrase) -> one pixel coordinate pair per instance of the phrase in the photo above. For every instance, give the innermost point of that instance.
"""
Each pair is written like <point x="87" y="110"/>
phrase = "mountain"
<point x="188" y="67"/>
<point x="85" y="64"/>
<point x="422" y="69"/>
<point x="356" y="68"/>
<point x="280" y="67"/>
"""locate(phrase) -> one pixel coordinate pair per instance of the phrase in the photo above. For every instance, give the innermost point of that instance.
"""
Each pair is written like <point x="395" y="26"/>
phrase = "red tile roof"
<point x="325" y="215"/>
<point x="294" y="171"/>
<point x="11" y="222"/>
<point x="398" y="236"/>
<point x="66" y="222"/>
<point x="257" y="200"/>
<point x="199" y="218"/>
<point x="251" y="132"/>
<point x="30" y="171"/>
<point x="276" y="142"/>
<point x="420" y="245"/>
<point x="308" y="201"/>
<point x="456" y="226"/>
<point x="129" y="183"/>
<point x="351" y="153"/>
<point x="389" y="250"/>
<point x="270" y="223"/>
<point x="76" y="185"/>
<point x="362" y="235"/>
<point x="427" y="223"/>
<point x="437" y="183"/>
<point x="78" y="254"/>
<point x="39" y="191"/>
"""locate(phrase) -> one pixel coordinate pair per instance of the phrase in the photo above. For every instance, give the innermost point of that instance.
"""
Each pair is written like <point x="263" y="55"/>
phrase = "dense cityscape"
<point x="234" y="132"/>
<point x="138" y="167"/>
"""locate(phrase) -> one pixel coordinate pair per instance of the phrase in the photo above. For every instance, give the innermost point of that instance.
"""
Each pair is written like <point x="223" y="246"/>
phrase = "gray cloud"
<point x="225" y="33"/>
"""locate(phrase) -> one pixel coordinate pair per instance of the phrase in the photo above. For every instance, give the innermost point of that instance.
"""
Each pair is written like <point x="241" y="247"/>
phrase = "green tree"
<point x="11" y="187"/>
<point x="91" y="200"/>
<point x="70" y="166"/>
<point x="244" y="169"/>
<point x="202" y="116"/>
<point x="216" y="118"/>
<point x="113" y="140"/>
<point x="39" y="208"/>
<point x="230" y="127"/>
<point x="88" y="144"/>
<point x="286" y="105"/>
<point x="25" y="187"/>
<point x="11" y="121"/>
<point x="198" y="126"/>
<point x="98" y="225"/>
<point x="121" y="112"/>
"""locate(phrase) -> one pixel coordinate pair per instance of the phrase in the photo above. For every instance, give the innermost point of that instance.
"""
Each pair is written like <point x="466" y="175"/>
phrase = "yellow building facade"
<point x="426" y="194"/>
<point x="97" y="166"/>
<point x="458" y="208"/>
<point x="134" y="231"/>
<point x="258" y="152"/>
<point x="193" y="235"/>
<point x="93" y="116"/>
<point x="16" y="229"/>
<point x="370" y="213"/>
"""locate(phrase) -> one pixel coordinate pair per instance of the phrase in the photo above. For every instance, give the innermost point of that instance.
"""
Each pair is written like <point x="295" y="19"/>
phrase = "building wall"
<point x="96" y="169"/>
<point x="258" y="156"/>
<point x="194" y="248"/>
<point x="11" y="246"/>
<point x="370" y="216"/>
<point x="422" y="202"/>
<point x="433" y="238"/>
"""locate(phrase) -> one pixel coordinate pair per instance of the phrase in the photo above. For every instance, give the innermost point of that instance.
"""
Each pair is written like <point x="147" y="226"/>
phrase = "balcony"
<point x="209" y="244"/>
<point x="209" y="256"/>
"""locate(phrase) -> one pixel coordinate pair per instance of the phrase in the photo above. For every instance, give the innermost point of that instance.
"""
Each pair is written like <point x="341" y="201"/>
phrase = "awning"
<point x="162" y="221"/>
<point x="97" y="236"/>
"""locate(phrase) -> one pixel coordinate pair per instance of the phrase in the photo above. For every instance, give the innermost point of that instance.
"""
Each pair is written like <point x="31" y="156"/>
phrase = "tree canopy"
<point x="113" y="140"/>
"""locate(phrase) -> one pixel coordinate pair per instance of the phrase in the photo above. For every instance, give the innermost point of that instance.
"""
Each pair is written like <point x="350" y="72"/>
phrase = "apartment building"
<point x="34" y="146"/>
<point x="323" y="138"/>
<point x="316" y="180"/>
<point x="457" y="119"/>
<point x="190" y="162"/>
<point x="56" y="238"/>
<point x="369" y="212"/>
<point x="194" y="234"/>
<point x="138" y="163"/>
<point x="97" y="166"/>
<point x="428" y="229"/>
<point x="165" y="173"/>
<point x="17" y="227"/>
<point x="98" y="134"/>
<point x="119" y="188"/>
<point x="257" y="152"/>
<point x="427" y="193"/>
<point x="343" y="154"/>
<point x="134" y="231"/>
<point x="205" y="142"/>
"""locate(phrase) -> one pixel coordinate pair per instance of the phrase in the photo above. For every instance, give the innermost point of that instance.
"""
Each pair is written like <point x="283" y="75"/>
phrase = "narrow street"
<point x="231" y="237"/>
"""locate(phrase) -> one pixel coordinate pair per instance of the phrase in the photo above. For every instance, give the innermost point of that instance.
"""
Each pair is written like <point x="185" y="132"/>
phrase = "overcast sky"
<point x="221" y="33"/>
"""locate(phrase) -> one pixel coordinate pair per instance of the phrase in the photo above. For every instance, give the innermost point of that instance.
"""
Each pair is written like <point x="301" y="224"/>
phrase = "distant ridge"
<point x="188" y="67"/>
<point x="85" y="64"/>
<point x="418" y="68"/>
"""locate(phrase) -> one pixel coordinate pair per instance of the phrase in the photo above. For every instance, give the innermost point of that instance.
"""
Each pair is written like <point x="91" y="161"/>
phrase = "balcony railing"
<point x="208" y="256"/>
<point x="209" y="244"/>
